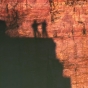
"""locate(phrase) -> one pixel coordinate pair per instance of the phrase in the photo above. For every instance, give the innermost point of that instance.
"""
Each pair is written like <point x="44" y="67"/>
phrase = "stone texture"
<point x="67" y="24"/>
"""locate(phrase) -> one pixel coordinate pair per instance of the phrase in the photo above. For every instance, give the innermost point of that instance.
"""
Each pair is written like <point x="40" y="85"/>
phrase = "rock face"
<point x="66" y="23"/>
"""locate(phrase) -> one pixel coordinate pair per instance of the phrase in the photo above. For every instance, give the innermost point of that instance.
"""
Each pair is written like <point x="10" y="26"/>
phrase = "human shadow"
<point x="36" y="33"/>
<point x="35" y="29"/>
<point x="44" y="32"/>
<point x="2" y="28"/>
<point x="30" y="63"/>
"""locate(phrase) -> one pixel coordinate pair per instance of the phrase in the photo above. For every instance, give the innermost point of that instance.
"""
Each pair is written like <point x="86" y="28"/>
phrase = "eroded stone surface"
<point x="66" y="24"/>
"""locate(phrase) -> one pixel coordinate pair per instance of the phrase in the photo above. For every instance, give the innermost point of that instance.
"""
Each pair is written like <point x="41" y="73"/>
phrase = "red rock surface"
<point x="69" y="31"/>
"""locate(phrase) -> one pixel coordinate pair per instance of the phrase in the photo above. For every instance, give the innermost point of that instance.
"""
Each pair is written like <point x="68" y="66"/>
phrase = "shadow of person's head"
<point x="35" y="21"/>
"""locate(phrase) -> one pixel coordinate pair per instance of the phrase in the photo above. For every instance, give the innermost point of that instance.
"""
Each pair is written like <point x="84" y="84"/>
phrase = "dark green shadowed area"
<point x="30" y="63"/>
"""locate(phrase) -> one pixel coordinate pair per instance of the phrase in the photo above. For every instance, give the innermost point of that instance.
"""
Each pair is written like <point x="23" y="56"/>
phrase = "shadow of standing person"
<point x="9" y="59"/>
<point x="44" y="32"/>
<point x="35" y="29"/>
<point x="2" y="28"/>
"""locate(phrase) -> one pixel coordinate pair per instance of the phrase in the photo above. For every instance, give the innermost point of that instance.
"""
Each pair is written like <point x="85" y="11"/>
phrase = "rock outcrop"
<point x="66" y="22"/>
